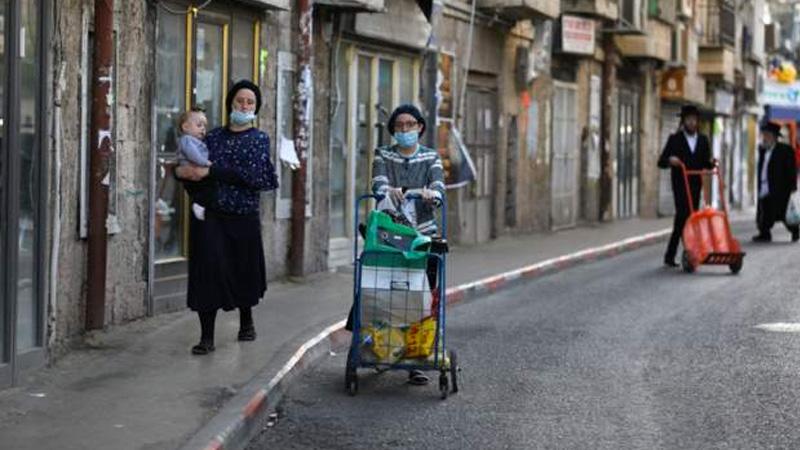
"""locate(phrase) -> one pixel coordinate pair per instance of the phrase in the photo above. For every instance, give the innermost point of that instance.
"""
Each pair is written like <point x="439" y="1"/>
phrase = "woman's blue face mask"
<point x="241" y="117"/>
<point x="407" y="139"/>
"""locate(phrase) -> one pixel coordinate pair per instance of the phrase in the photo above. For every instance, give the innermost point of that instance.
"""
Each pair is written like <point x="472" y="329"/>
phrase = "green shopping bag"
<point x="404" y="246"/>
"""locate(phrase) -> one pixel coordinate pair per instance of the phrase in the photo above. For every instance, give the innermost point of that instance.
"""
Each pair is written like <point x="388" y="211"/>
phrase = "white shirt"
<point x="764" y="188"/>
<point x="692" y="140"/>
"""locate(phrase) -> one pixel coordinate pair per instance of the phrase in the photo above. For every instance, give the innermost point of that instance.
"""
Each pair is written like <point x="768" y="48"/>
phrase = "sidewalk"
<point x="137" y="386"/>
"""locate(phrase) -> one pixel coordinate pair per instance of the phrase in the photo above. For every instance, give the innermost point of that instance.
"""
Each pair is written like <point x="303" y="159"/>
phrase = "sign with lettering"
<point x="577" y="35"/>
<point x="781" y="94"/>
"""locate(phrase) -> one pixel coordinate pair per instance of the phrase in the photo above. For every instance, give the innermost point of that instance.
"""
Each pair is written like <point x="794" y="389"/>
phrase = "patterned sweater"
<point x="242" y="167"/>
<point x="423" y="169"/>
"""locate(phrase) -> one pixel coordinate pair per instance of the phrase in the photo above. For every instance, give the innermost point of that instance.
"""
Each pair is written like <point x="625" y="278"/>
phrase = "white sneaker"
<point x="199" y="211"/>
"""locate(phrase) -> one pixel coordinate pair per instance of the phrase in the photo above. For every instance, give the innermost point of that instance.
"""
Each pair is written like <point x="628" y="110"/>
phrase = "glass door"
<point x="21" y="312"/>
<point x="369" y="84"/>
<point x="193" y="56"/>
<point x="27" y="328"/>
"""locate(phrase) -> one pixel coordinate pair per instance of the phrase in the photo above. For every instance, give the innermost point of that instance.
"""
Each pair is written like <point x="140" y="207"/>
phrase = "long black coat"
<point x="781" y="175"/>
<point x="677" y="145"/>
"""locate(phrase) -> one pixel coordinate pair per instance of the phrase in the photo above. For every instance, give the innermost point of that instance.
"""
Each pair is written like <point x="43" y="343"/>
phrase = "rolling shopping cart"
<point x="399" y="310"/>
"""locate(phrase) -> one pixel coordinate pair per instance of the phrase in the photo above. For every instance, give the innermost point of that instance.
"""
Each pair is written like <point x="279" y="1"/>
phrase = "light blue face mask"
<point x="407" y="139"/>
<point x="241" y="117"/>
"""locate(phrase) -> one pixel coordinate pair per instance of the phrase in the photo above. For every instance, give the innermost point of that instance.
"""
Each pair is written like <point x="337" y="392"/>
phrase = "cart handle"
<point x="715" y="172"/>
<point x="412" y="194"/>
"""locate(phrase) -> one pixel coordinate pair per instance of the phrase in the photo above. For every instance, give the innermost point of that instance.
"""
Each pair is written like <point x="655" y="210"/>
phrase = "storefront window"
<point x="208" y="75"/>
<point x="339" y="175"/>
<point x="406" y="81"/>
<point x="30" y="81"/>
<point x="242" y="50"/>
<point x="170" y="102"/>
<point x="385" y="98"/>
<point x="3" y="101"/>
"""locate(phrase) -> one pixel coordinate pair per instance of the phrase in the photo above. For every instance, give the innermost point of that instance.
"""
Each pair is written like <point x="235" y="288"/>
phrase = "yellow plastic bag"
<point x="420" y="337"/>
<point x="388" y="344"/>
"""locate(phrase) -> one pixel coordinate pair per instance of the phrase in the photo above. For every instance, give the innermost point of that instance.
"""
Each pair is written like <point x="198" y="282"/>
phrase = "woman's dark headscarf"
<point x="406" y="109"/>
<point x="242" y="84"/>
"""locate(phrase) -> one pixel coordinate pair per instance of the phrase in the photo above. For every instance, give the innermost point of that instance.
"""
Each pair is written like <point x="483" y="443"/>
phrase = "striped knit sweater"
<point x="423" y="169"/>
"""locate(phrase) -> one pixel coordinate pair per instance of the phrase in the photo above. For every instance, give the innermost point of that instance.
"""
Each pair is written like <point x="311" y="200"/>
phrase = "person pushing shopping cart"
<point x="408" y="179"/>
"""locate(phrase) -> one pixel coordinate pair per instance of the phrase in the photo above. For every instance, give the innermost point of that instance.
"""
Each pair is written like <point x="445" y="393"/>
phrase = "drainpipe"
<point x="606" y="161"/>
<point x="100" y="138"/>
<point x="302" y="124"/>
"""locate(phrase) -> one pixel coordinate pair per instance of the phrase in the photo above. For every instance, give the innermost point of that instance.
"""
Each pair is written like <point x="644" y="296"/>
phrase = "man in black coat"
<point x="687" y="146"/>
<point x="777" y="179"/>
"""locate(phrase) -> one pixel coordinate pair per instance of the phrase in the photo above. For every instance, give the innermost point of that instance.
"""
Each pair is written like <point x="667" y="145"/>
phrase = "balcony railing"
<point x="718" y="22"/>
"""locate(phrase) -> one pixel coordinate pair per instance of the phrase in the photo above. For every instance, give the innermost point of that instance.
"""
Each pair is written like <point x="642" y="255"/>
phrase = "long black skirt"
<point x="226" y="262"/>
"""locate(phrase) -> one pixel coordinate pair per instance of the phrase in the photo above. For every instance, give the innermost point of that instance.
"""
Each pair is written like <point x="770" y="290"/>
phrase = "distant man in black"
<point x="691" y="148"/>
<point x="777" y="179"/>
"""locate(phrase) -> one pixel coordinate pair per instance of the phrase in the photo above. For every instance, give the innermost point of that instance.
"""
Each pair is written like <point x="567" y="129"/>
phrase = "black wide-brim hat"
<point x="689" y="110"/>
<point x="771" y="127"/>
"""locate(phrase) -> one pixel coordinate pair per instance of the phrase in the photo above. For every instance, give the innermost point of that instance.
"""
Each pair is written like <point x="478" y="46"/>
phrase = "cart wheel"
<point x="454" y="369"/>
<point x="351" y="381"/>
<point x="686" y="263"/>
<point x="736" y="267"/>
<point x="443" y="385"/>
<point x="350" y="376"/>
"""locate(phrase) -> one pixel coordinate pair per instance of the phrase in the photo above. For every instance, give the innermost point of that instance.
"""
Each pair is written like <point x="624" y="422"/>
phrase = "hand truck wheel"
<point x="444" y="387"/>
<point x="686" y="263"/>
<point x="454" y="370"/>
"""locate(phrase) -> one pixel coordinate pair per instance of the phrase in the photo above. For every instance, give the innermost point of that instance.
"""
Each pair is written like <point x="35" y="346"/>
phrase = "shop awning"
<point x="781" y="113"/>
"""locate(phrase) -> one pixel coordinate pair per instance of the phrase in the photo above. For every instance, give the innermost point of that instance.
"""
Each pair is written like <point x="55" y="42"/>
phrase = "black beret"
<point x="406" y="109"/>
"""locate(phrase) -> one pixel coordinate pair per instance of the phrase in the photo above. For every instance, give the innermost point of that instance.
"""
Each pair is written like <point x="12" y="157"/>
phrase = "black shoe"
<point x="247" y="334"/>
<point x="203" y="348"/>
<point x="762" y="238"/>
<point x="417" y="378"/>
<point x="795" y="235"/>
<point x="670" y="263"/>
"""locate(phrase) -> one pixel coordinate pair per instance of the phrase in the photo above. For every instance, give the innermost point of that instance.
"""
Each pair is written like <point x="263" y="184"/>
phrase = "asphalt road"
<point x="618" y="354"/>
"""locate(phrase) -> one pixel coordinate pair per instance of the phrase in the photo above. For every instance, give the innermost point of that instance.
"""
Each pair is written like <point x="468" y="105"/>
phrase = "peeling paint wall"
<point x="127" y="250"/>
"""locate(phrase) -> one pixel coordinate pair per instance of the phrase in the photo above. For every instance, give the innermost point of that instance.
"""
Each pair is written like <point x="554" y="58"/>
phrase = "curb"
<point x="239" y="422"/>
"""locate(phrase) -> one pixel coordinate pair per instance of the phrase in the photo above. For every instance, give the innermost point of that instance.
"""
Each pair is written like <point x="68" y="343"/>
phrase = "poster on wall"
<point x="532" y="133"/>
<point x="592" y="138"/>
<point x="458" y="167"/>
<point x="445" y="86"/>
<point x="541" y="50"/>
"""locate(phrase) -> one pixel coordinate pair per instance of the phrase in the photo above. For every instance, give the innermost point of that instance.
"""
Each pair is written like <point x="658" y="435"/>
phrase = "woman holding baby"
<point x="227" y="269"/>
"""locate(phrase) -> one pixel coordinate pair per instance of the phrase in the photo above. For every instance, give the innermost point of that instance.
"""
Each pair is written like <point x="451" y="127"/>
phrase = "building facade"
<point x="547" y="114"/>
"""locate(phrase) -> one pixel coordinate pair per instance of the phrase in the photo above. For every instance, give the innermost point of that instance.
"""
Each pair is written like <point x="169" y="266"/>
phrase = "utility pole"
<point x="302" y="127"/>
<point x="100" y="138"/>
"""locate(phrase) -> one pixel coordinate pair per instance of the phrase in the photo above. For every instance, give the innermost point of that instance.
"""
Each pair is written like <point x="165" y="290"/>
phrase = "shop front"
<point x="22" y="197"/>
